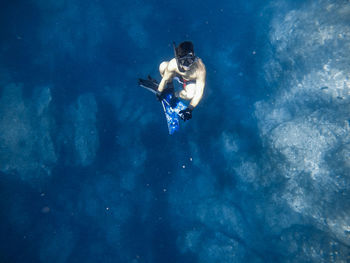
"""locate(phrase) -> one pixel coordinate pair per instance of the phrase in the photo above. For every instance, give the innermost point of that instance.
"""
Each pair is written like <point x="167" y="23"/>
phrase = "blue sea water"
<point x="89" y="173"/>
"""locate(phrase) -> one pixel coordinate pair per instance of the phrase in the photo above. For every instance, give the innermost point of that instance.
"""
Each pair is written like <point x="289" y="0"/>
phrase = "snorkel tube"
<point x="177" y="58"/>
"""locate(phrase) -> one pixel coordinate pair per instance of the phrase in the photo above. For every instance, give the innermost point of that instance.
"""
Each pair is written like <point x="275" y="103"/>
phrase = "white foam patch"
<point x="191" y="241"/>
<point x="26" y="143"/>
<point x="248" y="173"/>
<point x="222" y="216"/>
<point x="304" y="143"/>
<point x="220" y="248"/>
<point x="211" y="247"/>
<point x="305" y="124"/>
<point x="230" y="142"/>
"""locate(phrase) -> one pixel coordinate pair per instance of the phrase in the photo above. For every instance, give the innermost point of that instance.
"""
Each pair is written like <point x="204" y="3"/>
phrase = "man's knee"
<point x="162" y="67"/>
<point x="184" y="95"/>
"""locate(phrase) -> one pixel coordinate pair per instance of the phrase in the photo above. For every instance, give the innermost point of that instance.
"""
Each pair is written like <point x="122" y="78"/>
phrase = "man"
<point x="187" y="69"/>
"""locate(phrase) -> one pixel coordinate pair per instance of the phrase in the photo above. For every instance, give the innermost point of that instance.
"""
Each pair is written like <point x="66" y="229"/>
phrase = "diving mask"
<point x="187" y="60"/>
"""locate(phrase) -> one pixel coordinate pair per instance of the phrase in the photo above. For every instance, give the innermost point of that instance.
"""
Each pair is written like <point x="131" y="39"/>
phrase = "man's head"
<point x="185" y="48"/>
<point x="185" y="55"/>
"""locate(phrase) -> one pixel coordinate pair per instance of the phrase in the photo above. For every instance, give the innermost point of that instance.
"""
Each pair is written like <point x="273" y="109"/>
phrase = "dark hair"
<point x="184" y="48"/>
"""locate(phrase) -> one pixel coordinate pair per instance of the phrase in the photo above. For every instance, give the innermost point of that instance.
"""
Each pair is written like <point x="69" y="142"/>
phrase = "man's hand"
<point x="186" y="114"/>
<point x="161" y="95"/>
<point x="168" y="90"/>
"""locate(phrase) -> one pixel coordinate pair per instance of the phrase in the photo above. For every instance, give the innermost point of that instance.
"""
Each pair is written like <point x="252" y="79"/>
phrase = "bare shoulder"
<point x="201" y="71"/>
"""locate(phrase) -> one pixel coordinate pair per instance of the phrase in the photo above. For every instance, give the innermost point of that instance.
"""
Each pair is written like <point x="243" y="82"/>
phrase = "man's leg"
<point x="187" y="93"/>
<point x="170" y="86"/>
<point x="183" y="95"/>
<point x="162" y="67"/>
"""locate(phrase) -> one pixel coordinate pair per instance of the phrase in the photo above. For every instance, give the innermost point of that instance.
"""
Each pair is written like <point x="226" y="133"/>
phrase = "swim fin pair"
<point x="150" y="84"/>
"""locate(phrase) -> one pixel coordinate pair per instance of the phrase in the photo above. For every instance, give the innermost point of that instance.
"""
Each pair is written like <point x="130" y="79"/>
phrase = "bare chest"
<point x="188" y="75"/>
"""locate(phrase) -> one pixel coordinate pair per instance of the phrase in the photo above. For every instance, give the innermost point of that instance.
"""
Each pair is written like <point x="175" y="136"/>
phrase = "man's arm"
<point x="168" y="75"/>
<point x="200" y="84"/>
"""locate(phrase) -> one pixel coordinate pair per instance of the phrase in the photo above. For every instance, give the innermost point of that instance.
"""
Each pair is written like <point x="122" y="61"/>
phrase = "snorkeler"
<point x="189" y="70"/>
